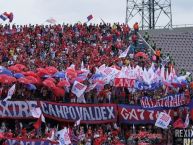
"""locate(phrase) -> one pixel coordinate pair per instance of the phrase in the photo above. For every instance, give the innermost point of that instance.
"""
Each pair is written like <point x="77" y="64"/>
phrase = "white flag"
<point x="77" y="123"/>
<point x="43" y="118"/>
<point x="163" y="120"/>
<point x="10" y="93"/>
<point x="36" y="112"/>
<point x="51" y="21"/>
<point x="133" y="128"/>
<point x="52" y="135"/>
<point x="115" y="126"/>
<point x="82" y="65"/>
<point x="64" y="138"/>
<point x="124" y="53"/>
<point x="186" y="123"/>
<point x="78" y="88"/>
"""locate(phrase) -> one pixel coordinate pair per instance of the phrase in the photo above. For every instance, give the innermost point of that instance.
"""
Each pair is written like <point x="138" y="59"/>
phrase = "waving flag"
<point x="38" y="123"/>
<point x="64" y="138"/>
<point x="9" y="16"/>
<point x="124" y="53"/>
<point x="78" y="88"/>
<point x="186" y="123"/>
<point x="90" y="17"/>
<point x="6" y="16"/>
<point x="51" y="21"/>
<point x="91" y="87"/>
<point x="163" y="120"/>
<point x="178" y="123"/>
<point x="10" y="93"/>
<point x="3" y="17"/>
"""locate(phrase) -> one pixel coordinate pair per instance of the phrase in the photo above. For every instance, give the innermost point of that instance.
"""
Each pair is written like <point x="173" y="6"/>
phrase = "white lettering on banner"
<point x="151" y="114"/>
<point x="133" y="115"/>
<point x="141" y="113"/>
<point x="44" y="108"/>
<point x="59" y="111"/>
<point x="125" y="113"/>
<point x="168" y="101"/>
<point x="95" y="113"/>
<point x="79" y="111"/>
<point x="5" y="111"/>
<point x="65" y="111"/>
<point x="103" y="113"/>
<point x="86" y="114"/>
<point x="111" y="115"/>
<point x="72" y="113"/>
<point x="16" y="108"/>
<point x="91" y="115"/>
<point x="23" y="108"/>
<point x="51" y="110"/>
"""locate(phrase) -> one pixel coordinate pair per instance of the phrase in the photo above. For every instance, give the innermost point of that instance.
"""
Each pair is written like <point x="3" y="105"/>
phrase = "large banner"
<point x="16" y="109"/>
<point x="168" y="101"/>
<point x="16" y="141"/>
<point x="137" y="115"/>
<point x="100" y="113"/>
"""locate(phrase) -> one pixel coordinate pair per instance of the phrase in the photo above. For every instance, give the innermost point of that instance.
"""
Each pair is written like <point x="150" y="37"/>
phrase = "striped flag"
<point x="6" y="16"/>
<point x="3" y="17"/>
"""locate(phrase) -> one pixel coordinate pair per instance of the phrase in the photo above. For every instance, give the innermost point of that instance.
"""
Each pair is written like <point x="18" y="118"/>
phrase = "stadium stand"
<point x="177" y="42"/>
<point x="64" y="71"/>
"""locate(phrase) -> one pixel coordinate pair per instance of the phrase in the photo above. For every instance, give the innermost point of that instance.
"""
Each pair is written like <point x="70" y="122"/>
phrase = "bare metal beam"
<point x="150" y="12"/>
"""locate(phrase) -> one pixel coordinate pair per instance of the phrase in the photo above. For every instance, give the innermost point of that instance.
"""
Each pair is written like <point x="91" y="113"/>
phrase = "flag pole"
<point x="103" y="21"/>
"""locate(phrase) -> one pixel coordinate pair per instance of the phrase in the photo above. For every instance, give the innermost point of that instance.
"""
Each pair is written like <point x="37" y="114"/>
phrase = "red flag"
<point x="90" y="17"/>
<point x="38" y="123"/>
<point x="178" y="123"/>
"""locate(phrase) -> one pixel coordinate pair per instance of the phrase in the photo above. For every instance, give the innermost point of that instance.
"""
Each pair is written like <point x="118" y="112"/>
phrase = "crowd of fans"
<point x="60" y="46"/>
<point x="106" y="134"/>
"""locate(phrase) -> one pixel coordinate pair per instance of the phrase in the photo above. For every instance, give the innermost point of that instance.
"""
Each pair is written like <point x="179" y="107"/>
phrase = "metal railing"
<point x="173" y="26"/>
<point x="147" y="44"/>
